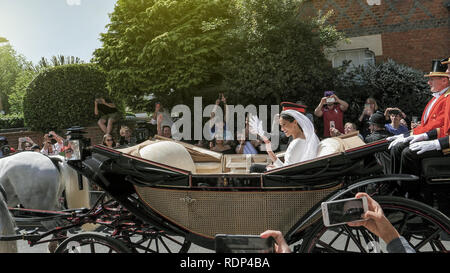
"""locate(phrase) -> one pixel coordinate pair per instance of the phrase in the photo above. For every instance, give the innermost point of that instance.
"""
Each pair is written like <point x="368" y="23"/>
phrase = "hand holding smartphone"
<point x="226" y="243"/>
<point x="343" y="211"/>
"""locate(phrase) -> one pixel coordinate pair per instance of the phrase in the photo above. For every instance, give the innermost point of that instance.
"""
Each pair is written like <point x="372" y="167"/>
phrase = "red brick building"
<point x="411" y="32"/>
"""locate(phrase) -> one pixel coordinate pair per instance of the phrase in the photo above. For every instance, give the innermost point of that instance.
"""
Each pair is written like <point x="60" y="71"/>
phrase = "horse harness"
<point x="2" y="190"/>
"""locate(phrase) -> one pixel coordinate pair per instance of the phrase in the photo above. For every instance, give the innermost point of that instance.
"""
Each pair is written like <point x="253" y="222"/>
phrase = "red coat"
<point x="438" y="118"/>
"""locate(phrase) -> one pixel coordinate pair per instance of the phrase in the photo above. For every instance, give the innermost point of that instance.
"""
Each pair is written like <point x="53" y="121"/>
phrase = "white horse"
<point x="6" y="227"/>
<point x="37" y="181"/>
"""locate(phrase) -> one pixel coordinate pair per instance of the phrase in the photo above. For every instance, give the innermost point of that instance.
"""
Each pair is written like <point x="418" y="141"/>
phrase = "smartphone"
<point x="332" y="124"/>
<point x="226" y="243"/>
<point x="331" y="100"/>
<point x="343" y="211"/>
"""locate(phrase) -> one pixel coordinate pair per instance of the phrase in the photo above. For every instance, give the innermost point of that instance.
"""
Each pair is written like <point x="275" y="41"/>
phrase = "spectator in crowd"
<point x="5" y="149"/>
<point x="161" y="118"/>
<point x="26" y="142"/>
<point x="108" y="141"/>
<point x="370" y="107"/>
<point x="220" y="146"/>
<point x="126" y="137"/>
<point x="349" y="127"/>
<point x="68" y="153"/>
<point x="218" y="126"/>
<point x="53" y="144"/>
<point x="375" y="221"/>
<point x="108" y="114"/>
<point x="377" y="128"/>
<point x="332" y="109"/>
<point x="167" y="131"/>
<point x="36" y="148"/>
<point x="246" y="146"/>
<point x="396" y="116"/>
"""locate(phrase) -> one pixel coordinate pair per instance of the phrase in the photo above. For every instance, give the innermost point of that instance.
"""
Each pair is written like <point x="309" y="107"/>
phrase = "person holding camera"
<point x="370" y="107"/>
<point x="53" y="144"/>
<point x="26" y="142"/>
<point x="161" y="118"/>
<point x="108" y="114"/>
<point x="332" y="109"/>
<point x="375" y="221"/>
<point x="395" y="115"/>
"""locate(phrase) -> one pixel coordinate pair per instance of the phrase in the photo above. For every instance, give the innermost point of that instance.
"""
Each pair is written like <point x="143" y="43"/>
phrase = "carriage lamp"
<point x="80" y="149"/>
<point x="78" y="143"/>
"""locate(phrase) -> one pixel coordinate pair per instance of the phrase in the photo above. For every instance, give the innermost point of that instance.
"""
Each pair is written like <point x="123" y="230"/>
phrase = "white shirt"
<point x="436" y="97"/>
<point x="57" y="148"/>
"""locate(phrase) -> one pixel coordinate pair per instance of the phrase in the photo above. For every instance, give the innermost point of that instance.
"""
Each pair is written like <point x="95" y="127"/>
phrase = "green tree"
<point x="276" y="55"/>
<point x="155" y="46"/>
<point x="11" y="65"/>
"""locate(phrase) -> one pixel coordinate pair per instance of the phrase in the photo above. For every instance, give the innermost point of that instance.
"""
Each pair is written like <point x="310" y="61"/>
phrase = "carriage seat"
<point x="436" y="169"/>
<point x="339" y="144"/>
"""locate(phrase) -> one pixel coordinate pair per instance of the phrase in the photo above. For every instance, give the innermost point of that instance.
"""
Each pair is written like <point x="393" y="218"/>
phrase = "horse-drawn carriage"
<point x="163" y="195"/>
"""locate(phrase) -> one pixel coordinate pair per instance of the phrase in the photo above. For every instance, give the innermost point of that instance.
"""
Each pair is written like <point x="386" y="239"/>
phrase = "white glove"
<point x="425" y="146"/>
<point x="397" y="139"/>
<point x="417" y="138"/>
<point x="255" y="126"/>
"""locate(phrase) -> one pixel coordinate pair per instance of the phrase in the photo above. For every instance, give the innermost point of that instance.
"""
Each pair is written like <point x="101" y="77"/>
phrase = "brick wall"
<point x="413" y="31"/>
<point x="94" y="133"/>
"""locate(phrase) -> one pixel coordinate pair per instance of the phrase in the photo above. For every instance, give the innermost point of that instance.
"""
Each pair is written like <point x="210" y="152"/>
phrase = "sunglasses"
<point x="109" y="140"/>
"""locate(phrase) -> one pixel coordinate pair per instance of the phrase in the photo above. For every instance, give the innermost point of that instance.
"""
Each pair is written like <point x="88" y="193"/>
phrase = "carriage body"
<point x="220" y="196"/>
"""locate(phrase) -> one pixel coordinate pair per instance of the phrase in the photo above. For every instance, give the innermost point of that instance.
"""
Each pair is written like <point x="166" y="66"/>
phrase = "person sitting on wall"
<point x="108" y="114"/>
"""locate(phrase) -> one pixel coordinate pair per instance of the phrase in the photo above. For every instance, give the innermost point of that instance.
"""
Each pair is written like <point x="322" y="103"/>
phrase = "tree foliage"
<point x="11" y="65"/>
<point x="275" y="55"/>
<point x="169" y="48"/>
<point x="390" y="83"/>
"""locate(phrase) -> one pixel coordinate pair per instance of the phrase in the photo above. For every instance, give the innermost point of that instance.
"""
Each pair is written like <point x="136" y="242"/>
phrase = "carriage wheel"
<point x="425" y="228"/>
<point x="156" y="242"/>
<point x="89" y="242"/>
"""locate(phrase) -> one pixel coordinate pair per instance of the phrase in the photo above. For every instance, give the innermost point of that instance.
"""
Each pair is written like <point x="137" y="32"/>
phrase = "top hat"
<point x="293" y="106"/>
<point x="438" y="69"/>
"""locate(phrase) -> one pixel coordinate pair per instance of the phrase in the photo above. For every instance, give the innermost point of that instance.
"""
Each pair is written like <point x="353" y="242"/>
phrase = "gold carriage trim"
<point x="208" y="213"/>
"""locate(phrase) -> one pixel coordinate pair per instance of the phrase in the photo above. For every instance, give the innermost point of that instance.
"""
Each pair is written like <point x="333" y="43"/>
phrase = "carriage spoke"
<point x="352" y="236"/>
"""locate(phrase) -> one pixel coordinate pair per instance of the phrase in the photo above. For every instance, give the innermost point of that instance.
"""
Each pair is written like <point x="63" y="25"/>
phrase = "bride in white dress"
<point x="304" y="144"/>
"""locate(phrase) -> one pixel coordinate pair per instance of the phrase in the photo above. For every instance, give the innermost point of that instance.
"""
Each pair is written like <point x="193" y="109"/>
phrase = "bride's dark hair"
<point x="290" y="119"/>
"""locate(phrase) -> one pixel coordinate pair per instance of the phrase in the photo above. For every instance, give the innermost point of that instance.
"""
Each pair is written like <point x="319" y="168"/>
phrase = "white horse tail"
<point x="7" y="226"/>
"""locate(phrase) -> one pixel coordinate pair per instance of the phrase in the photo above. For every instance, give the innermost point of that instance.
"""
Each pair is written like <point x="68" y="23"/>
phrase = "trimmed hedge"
<point x="11" y="121"/>
<point x="63" y="96"/>
<point x="390" y="83"/>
